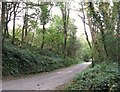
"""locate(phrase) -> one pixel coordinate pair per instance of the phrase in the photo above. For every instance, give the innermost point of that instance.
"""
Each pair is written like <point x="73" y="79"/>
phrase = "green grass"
<point x="103" y="77"/>
<point x="17" y="62"/>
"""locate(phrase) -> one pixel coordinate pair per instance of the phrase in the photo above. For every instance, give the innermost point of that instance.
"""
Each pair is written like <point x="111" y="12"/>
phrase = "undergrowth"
<point x="17" y="62"/>
<point x="103" y="77"/>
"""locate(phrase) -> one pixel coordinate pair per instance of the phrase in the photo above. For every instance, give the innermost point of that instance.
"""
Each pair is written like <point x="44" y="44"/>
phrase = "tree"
<point x="84" y="22"/>
<point x="118" y="32"/>
<point x="85" y="26"/>
<point x="72" y="42"/>
<point x="44" y="17"/>
<point x="54" y="34"/>
<point x="102" y="23"/>
<point x="7" y="10"/>
<point x="3" y="20"/>
<point x="25" y="24"/>
<point x="65" y="17"/>
<point x="15" y="8"/>
<point x="33" y="27"/>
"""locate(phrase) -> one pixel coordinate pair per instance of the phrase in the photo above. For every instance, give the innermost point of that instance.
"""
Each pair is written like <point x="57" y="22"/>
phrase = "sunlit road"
<point x="45" y="81"/>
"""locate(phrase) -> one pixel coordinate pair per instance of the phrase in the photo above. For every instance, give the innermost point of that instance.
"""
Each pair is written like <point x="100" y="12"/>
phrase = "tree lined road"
<point x="45" y="81"/>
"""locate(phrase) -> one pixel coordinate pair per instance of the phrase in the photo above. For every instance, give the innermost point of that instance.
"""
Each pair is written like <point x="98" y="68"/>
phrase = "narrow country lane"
<point x="46" y="81"/>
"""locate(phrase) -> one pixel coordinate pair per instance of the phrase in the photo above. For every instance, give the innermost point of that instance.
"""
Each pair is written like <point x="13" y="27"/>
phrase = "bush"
<point x="17" y="62"/>
<point x="102" y="78"/>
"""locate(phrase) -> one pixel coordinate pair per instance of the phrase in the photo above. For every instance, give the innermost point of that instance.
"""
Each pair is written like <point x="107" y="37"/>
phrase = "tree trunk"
<point x="26" y="22"/>
<point x="65" y="36"/>
<point x="32" y="39"/>
<point x="65" y="17"/>
<point x="13" y="39"/>
<point x="85" y="28"/>
<point x="6" y="27"/>
<point x="103" y="39"/>
<point x="93" y="39"/>
<point x="43" y="38"/>
<point x="65" y="43"/>
<point x="5" y="31"/>
<point x="22" y="39"/>
<point x="3" y="21"/>
<point x="118" y="39"/>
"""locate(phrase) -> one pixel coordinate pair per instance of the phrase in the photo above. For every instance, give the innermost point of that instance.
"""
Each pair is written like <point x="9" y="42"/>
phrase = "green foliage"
<point x="44" y="13"/>
<point x="17" y="62"/>
<point x="105" y="17"/>
<point x="111" y="42"/>
<point x="85" y="50"/>
<point x="54" y="39"/>
<point x="103" y="77"/>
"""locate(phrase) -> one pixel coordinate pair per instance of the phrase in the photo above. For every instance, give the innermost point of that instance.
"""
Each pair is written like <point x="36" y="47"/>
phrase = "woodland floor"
<point x="45" y="81"/>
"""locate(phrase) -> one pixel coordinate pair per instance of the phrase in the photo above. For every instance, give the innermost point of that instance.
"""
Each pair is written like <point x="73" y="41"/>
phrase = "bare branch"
<point x="83" y="19"/>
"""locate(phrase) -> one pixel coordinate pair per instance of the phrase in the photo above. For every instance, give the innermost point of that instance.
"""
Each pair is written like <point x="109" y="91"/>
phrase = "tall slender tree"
<point x="15" y="8"/>
<point x="44" y="18"/>
<point x="65" y="17"/>
<point x="3" y="20"/>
